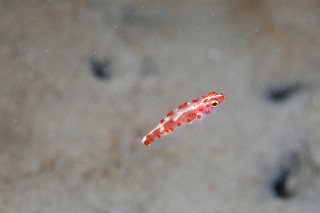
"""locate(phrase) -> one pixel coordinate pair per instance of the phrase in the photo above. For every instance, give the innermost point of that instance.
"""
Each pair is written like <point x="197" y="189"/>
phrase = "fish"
<point x="186" y="113"/>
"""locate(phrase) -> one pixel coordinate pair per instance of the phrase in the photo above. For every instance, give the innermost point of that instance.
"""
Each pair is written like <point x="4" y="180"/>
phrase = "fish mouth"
<point x="221" y="97"/>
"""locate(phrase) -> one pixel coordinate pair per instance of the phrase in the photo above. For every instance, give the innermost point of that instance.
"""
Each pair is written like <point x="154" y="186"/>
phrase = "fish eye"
<point x="214" y="103"/>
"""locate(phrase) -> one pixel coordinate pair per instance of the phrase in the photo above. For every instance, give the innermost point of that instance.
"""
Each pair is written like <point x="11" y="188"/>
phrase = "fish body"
<point x="186" y="113"/>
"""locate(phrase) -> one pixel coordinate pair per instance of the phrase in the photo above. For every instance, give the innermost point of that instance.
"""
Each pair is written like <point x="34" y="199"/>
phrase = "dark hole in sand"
<point x="289" y="167"/>
<point x="280" y="94"/>
<point x="280" y="184"/>
<point x="100" y="68"/>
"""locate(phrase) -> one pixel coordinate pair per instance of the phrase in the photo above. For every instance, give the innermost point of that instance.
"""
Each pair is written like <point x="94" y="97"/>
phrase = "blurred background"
<point x="81" y="81"/>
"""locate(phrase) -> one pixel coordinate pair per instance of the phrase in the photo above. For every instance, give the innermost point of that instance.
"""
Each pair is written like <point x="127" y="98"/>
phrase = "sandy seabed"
<point x="81" y="81"/>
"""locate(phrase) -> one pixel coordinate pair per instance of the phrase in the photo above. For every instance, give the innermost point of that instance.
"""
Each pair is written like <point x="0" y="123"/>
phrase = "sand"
<point x="82" y="81"/>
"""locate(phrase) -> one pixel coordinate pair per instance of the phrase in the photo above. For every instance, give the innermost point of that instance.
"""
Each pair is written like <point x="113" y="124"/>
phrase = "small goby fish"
<point x="186" y="113"/>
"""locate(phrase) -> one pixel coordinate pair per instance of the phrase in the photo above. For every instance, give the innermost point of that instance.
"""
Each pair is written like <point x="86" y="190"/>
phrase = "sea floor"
<point x="82" y="81"/>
